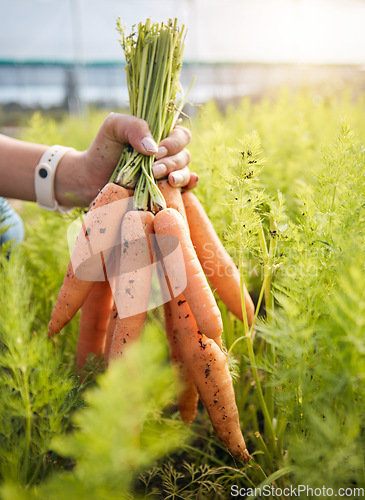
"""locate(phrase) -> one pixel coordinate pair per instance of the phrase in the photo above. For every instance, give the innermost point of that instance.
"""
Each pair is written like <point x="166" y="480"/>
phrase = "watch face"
<point x="43" y="173"/>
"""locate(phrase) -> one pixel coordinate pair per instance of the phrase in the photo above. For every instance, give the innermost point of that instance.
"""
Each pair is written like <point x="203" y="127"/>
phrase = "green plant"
<point x="318" y="326"/>
<point x="299" y="376"/>
<point x="36" y="394"/>
<point x="153" y="54"/>
<point x="303" y="251"/>
<point x="120" y="432"/>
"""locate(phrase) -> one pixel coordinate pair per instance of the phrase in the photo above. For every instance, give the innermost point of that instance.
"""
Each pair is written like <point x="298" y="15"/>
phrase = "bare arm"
<point x="18" y="160"/>
<point x="81" y="174"/>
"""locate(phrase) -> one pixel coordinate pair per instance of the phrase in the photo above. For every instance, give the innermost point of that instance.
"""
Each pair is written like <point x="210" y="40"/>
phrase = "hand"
<point x="172" y="161"/>
<point x="92" y="169"/>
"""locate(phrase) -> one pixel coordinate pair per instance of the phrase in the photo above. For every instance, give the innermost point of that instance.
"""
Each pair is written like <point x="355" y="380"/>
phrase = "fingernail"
<point x="177" y="178"/>
<point x="161" y="153"/>
<point x="159" y="170"/>
<point x="149" y="144"/>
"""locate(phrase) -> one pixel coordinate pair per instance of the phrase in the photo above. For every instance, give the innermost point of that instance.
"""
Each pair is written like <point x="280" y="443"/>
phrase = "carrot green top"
<point x="153" y="54"/>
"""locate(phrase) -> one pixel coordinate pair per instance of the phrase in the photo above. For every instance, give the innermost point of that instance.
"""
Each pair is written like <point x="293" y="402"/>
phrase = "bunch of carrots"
<point x="112" y="287"/>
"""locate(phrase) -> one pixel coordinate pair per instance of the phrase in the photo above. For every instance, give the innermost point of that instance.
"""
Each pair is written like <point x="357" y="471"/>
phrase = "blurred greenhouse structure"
<point x="67" y="53"/>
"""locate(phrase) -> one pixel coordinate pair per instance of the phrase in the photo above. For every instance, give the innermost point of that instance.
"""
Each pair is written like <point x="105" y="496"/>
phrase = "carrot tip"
<point x="51" y="332"/>
<point x="246" y="456"/>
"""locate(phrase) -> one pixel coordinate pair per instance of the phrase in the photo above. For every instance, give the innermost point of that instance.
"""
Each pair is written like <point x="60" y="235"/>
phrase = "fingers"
<point x="165" y="166"/>
<point x="193" y="181"/>
<point x="179" y="178"/>
<point x="125" y="129"/>
<point x="172" y="157"/>
<point x="183" y="178"/>
<point x="130" y="129"/>
<point x="172" y="161"/>
<point x="177" y="140"/>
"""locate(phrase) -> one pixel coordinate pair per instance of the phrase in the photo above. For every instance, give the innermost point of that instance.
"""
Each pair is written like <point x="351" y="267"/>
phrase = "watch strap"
<point x="44" y="179"/>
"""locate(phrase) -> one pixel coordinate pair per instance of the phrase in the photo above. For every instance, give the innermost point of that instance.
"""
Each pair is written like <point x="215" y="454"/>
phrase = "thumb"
<point x="132" y="130"/>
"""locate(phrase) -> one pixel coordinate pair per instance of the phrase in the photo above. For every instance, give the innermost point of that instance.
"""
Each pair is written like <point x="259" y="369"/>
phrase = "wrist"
<point x="68" y="180"/>
<point x="73" y="187"/>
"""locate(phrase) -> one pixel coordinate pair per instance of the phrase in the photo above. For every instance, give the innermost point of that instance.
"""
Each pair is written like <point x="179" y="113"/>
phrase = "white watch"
<point x="44" y="179"/>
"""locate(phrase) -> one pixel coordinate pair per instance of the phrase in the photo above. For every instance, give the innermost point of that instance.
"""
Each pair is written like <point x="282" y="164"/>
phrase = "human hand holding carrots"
<point x="81" y="175"/>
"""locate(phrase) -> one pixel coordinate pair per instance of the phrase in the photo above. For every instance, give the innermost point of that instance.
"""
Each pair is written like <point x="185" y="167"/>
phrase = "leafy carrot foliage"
<point x="282" y="180"/>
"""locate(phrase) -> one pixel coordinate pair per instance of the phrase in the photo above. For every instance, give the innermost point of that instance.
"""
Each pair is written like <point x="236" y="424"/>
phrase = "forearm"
<point x="18" y="160"/>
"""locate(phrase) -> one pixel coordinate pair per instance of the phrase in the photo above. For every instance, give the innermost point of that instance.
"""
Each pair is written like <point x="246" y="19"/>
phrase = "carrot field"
<point x="283" y="181"/>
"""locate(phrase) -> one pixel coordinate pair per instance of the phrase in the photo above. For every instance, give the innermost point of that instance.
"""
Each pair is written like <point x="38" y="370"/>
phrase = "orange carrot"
<point x="170" y="228"/>
<point x="208" y="367"/>
<point x="217" y="264"/>
<point x="95" y="314"/>
<point x="88" y="262"/>
<point x="110" y="330"/>
<point x="172" y="197"/>
<point x="131" y="288"/>
<point x="188" y="396"/>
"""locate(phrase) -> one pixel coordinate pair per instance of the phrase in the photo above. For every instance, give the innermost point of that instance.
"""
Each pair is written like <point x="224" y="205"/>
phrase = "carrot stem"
<point x="236" y="342"/>
<point x="243" y="299"/>
<point x="28" y="425"/>
<point x="153" y="57"/>
<point x="265" y="449"/>
<point x="269" y="302"/>
<point x="35" y="472"/>
<point x="259" y="301"/>
<point x="268" y="420"/>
